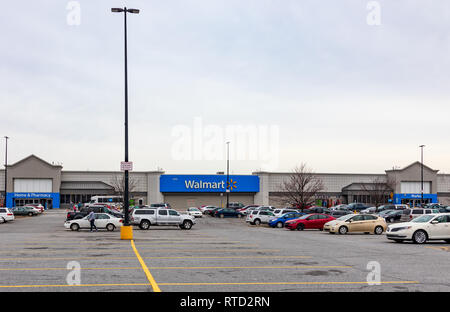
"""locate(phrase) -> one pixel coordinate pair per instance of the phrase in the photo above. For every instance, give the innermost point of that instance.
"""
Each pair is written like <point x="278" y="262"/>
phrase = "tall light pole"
<point x="126" y="230"/>
<point x="421" y="170"/>
<point x="228" y="174"/>
<point x="6" y="168"/>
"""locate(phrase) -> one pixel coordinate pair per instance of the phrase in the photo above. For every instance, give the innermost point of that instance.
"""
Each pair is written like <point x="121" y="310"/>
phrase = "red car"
<point x="309" y="221"/>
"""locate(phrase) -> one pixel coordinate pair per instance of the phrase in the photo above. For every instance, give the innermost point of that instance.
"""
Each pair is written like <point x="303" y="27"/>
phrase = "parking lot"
<point x="215" y="255"/>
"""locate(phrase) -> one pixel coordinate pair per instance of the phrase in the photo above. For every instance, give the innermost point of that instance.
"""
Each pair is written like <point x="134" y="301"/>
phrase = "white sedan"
<point x="195" y="212"/>
<point x="6" y="215"/>
<point x="421" y="229"/>
<point x="102" y="221"/>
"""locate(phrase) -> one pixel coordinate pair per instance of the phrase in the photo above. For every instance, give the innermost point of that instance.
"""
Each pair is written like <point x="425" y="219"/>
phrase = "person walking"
<point x="91" y="218"/>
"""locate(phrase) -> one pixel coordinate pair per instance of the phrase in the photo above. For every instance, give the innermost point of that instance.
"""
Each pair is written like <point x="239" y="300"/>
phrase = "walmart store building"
<point x="32" y="180"/>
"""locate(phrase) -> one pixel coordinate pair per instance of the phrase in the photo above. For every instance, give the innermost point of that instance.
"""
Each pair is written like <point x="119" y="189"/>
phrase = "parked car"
<point x="228" y="212"/>
<point x="235" y="205"/>
<point x="161" y="205"/>
<point x="392" y="215"/>
<point x="339" y="213"/>
<point x="411" y="213"/>
<point x="245" y="209"/>
<point x="212" y="212"/>
<point x="369" y="210"/>
<point x="256" y="217"/>
<point x="266" y="208"/>
<point x="280" y="221"/>
<point x="145" y="218"/>
<point x="25" y="211"/>
<point x="366" y="223"/>
<point x="102" y="221"/>
<point x="207" y="209"/>
<point x="339" y="207"/>
<point x="309" y="221"/>
<point x="317" y="210"/>
<point x="357" y="206"/>
<point x="248" y="210"/>
<point x="194" y="211"/>
<point x="281" y="211"/>
<point x="84" y="211"/>
<point x="421" y="229"/>
<point x="392" y="207"/>
<point x="38" y="207"/>
<point x="6" y="215"/>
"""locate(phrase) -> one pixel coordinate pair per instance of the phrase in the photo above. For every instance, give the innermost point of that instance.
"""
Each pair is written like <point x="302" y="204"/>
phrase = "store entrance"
<point x="47" y="203"/>
<point x="416" y="202"/>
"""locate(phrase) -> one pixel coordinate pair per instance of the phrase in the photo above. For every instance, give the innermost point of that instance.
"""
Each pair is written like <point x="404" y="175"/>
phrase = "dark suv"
<point x="235" y="205"/>
<point x="96" y="209"/>
<point x="357" y="206"/>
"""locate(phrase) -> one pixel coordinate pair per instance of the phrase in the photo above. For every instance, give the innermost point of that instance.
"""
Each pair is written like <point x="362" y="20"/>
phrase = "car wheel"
<point x="279" y="225"/>
<point x="343" y="230"/>
<point x="379" y="230"/>
<point x="300" y="227"/>
<point x="187" y="225"/>
<point x="144" y="225"/>
<point x="419" y="237"/>
<point x="257" y="222"/>
<point x="110" y="227"/>
<point x="74" y="227"/>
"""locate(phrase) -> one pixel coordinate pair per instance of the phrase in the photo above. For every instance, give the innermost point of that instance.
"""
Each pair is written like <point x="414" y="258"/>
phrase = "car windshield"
<point x="423" y="219"/>
<point x="346" y="217"/>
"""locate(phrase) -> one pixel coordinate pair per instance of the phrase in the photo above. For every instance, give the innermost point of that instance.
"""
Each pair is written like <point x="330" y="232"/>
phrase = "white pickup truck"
<point x="146" y="217"/>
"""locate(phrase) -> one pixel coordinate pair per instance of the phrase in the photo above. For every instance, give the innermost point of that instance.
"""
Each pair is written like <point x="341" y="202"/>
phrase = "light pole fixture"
<point x="126" y="230"/>
<point x="228" y="174"/>
<point x="6" y="169"/>
<point x="421" y="170"/>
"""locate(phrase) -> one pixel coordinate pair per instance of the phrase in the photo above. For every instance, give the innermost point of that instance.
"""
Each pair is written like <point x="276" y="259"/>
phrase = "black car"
<point x="317" y="210"/>
<point x="227" y="212"/>
<point x="394" y="215"/>
<point x="357" y="206"/>
<point x="96" y="209"/>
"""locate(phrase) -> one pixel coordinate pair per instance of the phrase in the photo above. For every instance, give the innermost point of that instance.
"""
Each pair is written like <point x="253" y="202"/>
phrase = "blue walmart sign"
<point x="208" y="183"/>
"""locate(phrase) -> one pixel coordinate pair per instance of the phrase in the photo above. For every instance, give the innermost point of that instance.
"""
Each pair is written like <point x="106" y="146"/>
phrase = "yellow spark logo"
<point x="232" y="184"/>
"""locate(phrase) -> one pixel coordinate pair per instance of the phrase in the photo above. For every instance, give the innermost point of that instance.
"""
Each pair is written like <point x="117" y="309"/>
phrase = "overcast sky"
<point x="316" y="82"/>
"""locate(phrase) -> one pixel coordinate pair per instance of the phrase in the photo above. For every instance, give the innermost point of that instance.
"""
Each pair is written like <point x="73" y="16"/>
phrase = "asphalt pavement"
<point x="219" y="255"/>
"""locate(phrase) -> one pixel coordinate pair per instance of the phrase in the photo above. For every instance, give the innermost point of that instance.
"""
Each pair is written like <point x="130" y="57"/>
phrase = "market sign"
<point x="208" y="183"/>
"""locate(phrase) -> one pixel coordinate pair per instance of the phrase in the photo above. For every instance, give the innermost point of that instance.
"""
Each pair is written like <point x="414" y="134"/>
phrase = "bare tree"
<point x="118" y="183"/>
<point x="378" y="190"/>
<point x="301" y="188"/>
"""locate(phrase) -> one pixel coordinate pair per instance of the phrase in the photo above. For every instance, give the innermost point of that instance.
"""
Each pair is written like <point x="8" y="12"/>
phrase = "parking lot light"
<point x="126" y="230"/>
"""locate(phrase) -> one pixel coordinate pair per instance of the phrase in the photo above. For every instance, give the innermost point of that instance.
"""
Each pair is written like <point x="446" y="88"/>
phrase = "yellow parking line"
<point x="439" y="248"/>
<point x="153" y="249"/>
<point x="207" y="284"/>
<point x="282" y="283"/>
<point x="158" y="257"/>
<point x="193" y="268"/>
<point x="146" y="270"/>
